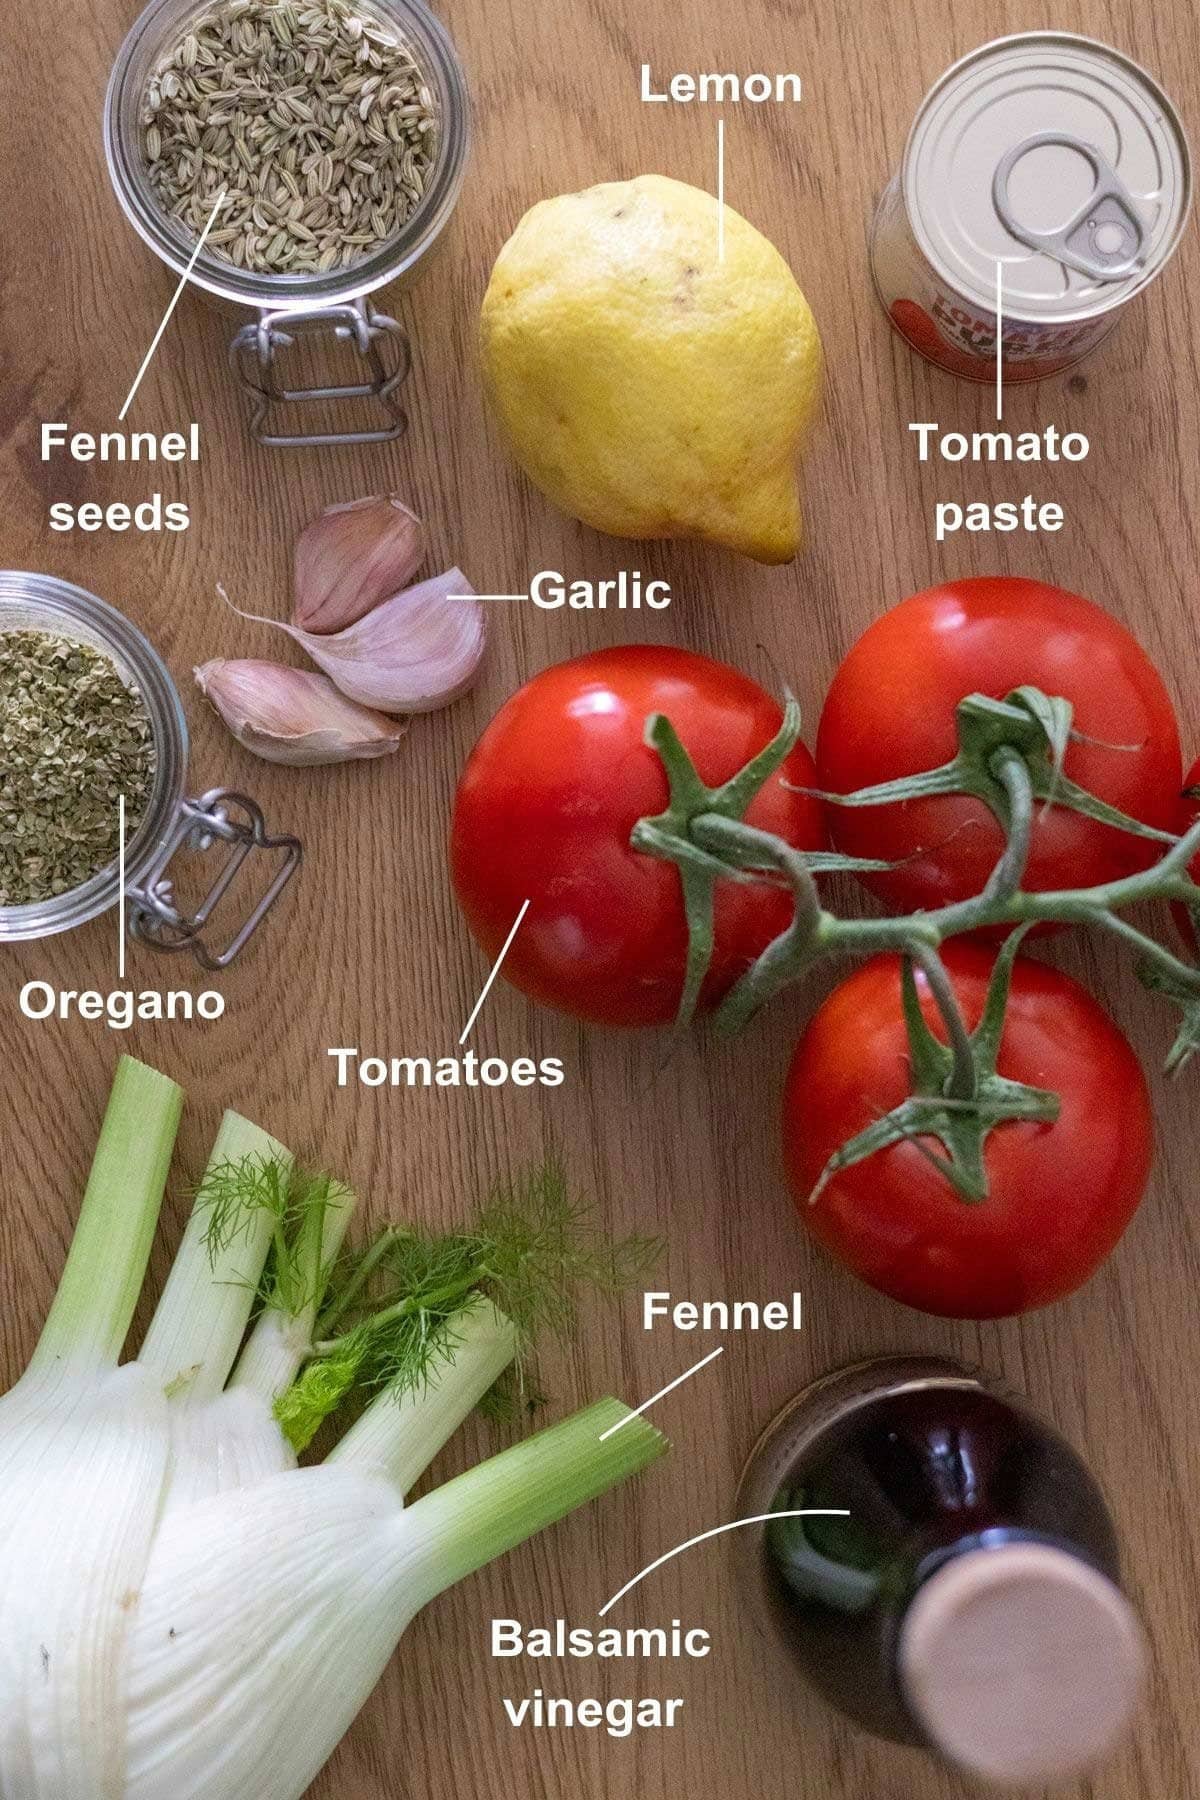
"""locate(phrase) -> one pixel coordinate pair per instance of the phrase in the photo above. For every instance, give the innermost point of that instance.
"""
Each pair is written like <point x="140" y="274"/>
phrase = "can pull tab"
<point x="1107" y="237"/>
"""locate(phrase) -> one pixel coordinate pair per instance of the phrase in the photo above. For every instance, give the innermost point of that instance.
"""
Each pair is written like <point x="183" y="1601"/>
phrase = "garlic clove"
<point x="415" y="652"/>
<point x="293" y="716"/>
<point x="351" y="558"/>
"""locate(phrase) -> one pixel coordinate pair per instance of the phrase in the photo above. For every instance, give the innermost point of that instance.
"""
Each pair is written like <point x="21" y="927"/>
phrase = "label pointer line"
<point x="686" y="1376"/>
<point x="121" y="887"/>
<point x="487" y="986"/>
<point x="166" y="318"/>
<point x="999" y="341"/>
<point x="804" y="1512"/>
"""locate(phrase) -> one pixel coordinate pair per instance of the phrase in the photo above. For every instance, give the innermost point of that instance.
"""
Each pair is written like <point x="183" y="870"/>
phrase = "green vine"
<point x="670" y="836"/>
<point x="1010" y="756"/>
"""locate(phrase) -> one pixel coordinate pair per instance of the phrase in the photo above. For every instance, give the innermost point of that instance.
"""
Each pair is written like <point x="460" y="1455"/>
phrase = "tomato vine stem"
<point x="1010" y="756"/>
<point x="1034" y="727"/>
<point x="936" y="1110"/>
<point x="816" y="932"/>
<point x="1006" y="878"/>
<point x="670" y="837"/>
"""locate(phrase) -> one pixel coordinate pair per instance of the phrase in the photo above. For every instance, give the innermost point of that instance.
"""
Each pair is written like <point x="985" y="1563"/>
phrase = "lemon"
<point x="649" y="385"/>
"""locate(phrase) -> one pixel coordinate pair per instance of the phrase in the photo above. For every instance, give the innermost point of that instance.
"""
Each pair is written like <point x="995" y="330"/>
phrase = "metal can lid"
<point x="1057" y="157"/>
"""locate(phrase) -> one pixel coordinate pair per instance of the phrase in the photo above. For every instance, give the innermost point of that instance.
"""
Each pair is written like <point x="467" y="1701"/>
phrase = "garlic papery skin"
<point x="293" y="715"/>
<point x="353" y="557"/>
<point x="417" y="651"/>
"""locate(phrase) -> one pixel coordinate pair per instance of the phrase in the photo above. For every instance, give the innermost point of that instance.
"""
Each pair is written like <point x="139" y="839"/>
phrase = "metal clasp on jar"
<point x="254" y="350"/>
<point x="153" y="916"/>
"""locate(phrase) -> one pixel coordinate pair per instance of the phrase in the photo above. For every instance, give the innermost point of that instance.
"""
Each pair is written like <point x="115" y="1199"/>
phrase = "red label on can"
<point x="954" y="331"/>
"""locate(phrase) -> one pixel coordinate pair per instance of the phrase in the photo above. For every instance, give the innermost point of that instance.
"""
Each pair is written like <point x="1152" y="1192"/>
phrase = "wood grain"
<point x="368" y="949"/>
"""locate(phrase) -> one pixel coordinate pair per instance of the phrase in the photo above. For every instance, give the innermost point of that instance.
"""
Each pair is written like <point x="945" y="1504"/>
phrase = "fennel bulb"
<point x="269" y="1615"/>
<point x="185" y="1614"/>
<point x="83" y="1456"/>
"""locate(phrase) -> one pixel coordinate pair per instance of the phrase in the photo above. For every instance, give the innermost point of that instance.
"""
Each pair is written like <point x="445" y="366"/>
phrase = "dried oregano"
<point x="73" y="738"/>
<point x="313" y="117"/>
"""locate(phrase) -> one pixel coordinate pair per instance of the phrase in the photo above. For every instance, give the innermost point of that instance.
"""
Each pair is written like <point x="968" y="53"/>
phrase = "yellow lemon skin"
<point x="648" y="387"/>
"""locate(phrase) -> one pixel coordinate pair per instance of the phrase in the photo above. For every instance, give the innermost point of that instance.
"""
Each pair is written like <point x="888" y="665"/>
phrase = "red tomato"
<point x="544" y="811"/>
<point x="1061" y="1193"/>
<point x="890" y="712"/>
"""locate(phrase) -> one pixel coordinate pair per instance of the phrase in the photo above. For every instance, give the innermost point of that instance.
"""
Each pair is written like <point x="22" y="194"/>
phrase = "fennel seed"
<point x="73" y="738"/>
<point x="259" y="93"/>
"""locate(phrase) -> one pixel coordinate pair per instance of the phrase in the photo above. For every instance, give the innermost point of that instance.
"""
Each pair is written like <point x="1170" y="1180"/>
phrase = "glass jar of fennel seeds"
<point x="300" y="132"/>
<point x="163" y="820"/>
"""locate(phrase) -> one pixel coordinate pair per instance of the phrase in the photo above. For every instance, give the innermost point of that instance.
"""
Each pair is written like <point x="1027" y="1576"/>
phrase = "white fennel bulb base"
<point x="83" y="1458"/>
<point x="269" y="1615"/>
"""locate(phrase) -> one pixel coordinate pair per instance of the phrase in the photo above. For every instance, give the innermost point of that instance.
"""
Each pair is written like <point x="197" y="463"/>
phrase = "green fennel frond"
<point x="233" y="1194"/>
<point x="389" y="1319"/>
<point x="303" y="1408"/>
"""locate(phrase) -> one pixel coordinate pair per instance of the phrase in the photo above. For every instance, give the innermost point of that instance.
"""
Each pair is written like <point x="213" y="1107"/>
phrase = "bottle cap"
<point x="1022" y="1663"/>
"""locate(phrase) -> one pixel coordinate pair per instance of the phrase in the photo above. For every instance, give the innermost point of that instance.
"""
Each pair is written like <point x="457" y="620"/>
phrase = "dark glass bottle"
<point x="969" y="1601"/>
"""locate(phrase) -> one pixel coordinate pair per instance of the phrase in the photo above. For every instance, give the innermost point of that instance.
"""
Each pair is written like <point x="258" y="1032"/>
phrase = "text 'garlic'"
<point x="415" y="652"/>
<point x="351" y="558"/>
<point x="293" y="716"/>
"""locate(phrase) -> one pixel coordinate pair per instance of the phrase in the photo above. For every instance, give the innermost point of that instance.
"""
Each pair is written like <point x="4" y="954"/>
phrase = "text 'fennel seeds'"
<point x="314" y="118"/>
<point x="73" y="739"/>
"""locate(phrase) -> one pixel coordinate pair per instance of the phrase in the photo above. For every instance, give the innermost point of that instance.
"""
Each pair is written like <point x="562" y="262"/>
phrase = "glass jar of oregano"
<point x="87" y="707"/>
<point x="293" y="157"/>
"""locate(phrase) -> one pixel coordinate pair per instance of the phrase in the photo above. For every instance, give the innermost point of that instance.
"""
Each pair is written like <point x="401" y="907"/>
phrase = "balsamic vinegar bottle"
<point x="970" y="1602"/>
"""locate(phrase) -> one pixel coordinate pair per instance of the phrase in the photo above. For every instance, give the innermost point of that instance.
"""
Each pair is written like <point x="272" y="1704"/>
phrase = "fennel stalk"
<point x="184" y="1613"/>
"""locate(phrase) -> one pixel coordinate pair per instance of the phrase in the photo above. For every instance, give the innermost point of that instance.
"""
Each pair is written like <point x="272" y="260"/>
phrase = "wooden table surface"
<point x="368" y="949"/>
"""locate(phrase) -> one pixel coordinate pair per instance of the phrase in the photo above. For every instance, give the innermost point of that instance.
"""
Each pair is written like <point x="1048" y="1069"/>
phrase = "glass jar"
<point x="335" y="304"/>
<point x="171" y="822"/>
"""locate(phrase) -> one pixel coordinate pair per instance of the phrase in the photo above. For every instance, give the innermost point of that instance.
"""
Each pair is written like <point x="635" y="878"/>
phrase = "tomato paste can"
<point x="1047" y="164"/>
